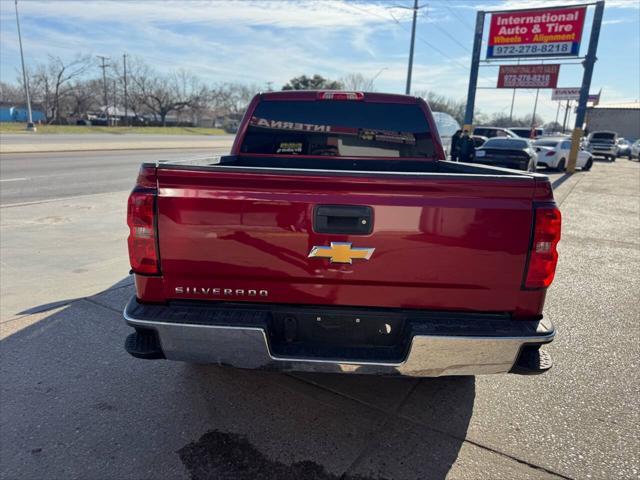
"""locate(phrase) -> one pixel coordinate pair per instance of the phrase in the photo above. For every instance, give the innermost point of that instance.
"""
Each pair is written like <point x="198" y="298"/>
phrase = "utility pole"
<point x="473" y="75"/>
<point x="104" y="85"/>
<point x="564" y="122"/>
<point x="589" y="62"/>
<point x="30" y="126"/>
<point x="535" y="108"/>
<point x="407" y="90"/>
<point x="126" y="100"/>
<point x="115" y="103"/>
<point x="415" y="9"/>
<point x="513" y="99"/>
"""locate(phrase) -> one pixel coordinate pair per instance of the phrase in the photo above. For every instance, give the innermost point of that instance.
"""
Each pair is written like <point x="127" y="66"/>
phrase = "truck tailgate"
<point x="441" y="241"/>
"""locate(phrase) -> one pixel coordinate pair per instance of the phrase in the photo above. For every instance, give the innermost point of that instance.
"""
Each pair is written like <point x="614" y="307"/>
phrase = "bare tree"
<point x="84" y="96"/>
<point x="164" y="94"/>
<point x="11" y="93"/>
<point x="357" y="81"/>
<point x="502" y="120"/>
<point x="232" y="98"/>
<point x="197" y="95"/>
<point x="51" y="82"/>
<point x="441" y="103"/>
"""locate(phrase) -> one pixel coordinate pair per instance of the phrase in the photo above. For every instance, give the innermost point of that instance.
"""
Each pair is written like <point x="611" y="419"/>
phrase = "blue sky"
<point x="271" y="41"/>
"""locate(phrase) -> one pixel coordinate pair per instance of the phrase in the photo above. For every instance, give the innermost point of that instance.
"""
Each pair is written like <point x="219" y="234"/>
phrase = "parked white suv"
<point x="554" y="153"/>
<point x="603" y="144"/>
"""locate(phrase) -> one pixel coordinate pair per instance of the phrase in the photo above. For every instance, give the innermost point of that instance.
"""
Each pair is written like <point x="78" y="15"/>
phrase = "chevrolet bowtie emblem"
<point x="341" y="252"/>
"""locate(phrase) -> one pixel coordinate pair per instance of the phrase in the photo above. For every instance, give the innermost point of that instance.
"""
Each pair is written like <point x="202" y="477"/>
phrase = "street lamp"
<point x="30" y="126"/>
<point x="371" y="82"/>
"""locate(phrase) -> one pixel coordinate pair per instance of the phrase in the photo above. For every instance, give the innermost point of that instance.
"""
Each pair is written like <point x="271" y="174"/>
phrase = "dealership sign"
<point x="528" y="76"/>
<point x="548" y="32"/>
<point x="565" y="93"/>
<point x="573" y="94"/>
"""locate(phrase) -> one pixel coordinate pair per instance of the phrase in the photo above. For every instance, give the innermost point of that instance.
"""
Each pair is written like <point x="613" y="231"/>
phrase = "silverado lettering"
<point x="221" y="291"/>
<point x="464" y="253"/>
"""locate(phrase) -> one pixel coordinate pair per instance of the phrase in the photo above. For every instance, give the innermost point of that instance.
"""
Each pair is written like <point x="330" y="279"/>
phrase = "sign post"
<point x="529" y="33"/>
<point x="589" y="62"/>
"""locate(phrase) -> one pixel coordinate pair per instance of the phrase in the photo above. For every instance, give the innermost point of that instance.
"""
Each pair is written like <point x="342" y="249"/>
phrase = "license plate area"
<point x="353" y="335"/>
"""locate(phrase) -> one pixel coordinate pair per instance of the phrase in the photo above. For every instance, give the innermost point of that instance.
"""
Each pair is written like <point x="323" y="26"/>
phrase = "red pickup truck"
<point x="336" y="238"/>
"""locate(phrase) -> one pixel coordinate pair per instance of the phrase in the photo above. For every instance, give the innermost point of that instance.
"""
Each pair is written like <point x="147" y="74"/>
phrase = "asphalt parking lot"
<point x="75" y="405"/>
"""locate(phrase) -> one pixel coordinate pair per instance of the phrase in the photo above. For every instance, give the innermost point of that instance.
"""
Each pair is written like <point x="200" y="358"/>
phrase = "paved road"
<point x="75" y="405"/>
<point x="89" y="138"/>
<point x="24" y="143"/>
<point x="32" y="177"/>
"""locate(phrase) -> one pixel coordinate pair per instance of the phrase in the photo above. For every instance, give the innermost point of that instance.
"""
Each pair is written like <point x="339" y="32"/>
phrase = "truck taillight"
<point x="141" y="213"/>
<point x="143" y="254"/>
<point x="331" y="95"/>
<point x="543" y="255"/>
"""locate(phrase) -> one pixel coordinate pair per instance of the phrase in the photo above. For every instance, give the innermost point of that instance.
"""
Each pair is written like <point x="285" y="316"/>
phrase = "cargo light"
<point x="141" y="219"/>
<point x="543" y="255"/>
<point x="340" y="95"/>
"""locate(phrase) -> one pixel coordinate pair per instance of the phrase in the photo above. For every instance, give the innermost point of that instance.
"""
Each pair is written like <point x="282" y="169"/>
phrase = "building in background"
<point x="18" y="113"/>
<point x="622" y="118"/>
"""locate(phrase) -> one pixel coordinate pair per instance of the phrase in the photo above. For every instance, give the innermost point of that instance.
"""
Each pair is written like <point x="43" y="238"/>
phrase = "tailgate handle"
<point x="344" y="219"/>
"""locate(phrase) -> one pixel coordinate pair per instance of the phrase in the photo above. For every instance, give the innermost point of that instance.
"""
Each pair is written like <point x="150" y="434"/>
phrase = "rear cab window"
<point x="338" y="128"/>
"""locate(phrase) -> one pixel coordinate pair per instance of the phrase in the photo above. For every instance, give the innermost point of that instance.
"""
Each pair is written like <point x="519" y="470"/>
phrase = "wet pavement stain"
<point x="219" y="455"/>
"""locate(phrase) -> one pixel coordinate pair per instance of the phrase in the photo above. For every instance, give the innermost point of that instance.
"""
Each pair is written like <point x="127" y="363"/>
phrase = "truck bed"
<point x="442" y="233"/>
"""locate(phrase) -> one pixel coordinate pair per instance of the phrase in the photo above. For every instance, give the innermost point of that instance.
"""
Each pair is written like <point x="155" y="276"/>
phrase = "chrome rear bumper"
<point x="247" y="346"/>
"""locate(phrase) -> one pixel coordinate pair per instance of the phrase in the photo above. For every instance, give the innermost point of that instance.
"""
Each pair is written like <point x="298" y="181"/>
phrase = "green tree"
<point x="317" y="82"/>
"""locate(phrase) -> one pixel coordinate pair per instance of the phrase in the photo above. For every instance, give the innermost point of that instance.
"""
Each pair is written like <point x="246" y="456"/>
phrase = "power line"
<point x="437" y="50"/>
<point x="451" y="37"/>
<point x="399" y="24"/>
<point x="460" y="18"/>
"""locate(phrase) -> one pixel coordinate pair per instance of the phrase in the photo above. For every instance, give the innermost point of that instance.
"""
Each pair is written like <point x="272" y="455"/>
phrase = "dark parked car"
<point x="516" y="153"/>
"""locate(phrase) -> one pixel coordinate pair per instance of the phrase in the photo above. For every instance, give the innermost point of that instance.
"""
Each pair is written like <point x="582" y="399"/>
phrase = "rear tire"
<point x="561" y="165"/>
<point x="588" y="165"/>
